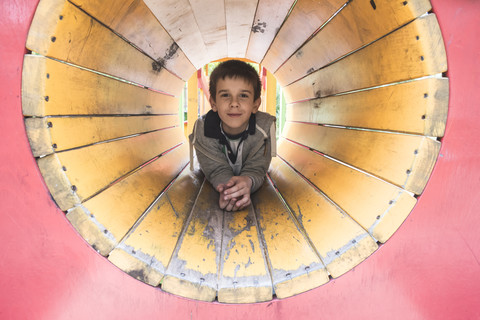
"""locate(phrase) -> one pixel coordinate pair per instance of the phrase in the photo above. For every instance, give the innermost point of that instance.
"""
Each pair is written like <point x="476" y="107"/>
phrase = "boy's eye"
<point x="244" y="95"/>
<point x="224" y="95"/>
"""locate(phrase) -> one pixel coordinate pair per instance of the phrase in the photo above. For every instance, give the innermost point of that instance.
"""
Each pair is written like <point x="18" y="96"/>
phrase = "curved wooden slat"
<point x="268" y="20"/>
<point x="340" y="241"/>
<point x="239" y="22"/>
<point x="405" y="160"/>
<point x="106" y="218"/>
<point x="92" y="168"/>
<point x="193" y="269"/>
<point x="379" y="207"/>
<point x="244" y="275"/>
<point x="62" y="31"/>
<point x="356" y="25"/>
<point x="52" y="88"/>
<point x="123" y="17"/>
<point x="178" y="19"/>
<point x="68" y="133"/>
<point x="294" y="265"/>
<point x="306" y="17"/>
<point x="418" y="107"/>
<point x="414" y="51"/>
<point x="145" y="252"/>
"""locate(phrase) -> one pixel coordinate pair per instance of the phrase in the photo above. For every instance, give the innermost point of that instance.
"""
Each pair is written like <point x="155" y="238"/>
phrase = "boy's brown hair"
<point x="234" y="69"/>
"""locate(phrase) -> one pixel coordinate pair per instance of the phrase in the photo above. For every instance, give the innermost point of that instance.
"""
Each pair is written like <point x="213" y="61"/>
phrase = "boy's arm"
<point x="257" y="163"/>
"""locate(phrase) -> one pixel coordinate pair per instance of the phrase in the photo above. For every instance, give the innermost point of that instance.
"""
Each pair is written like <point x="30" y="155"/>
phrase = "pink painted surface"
<point x="430" y="269"/>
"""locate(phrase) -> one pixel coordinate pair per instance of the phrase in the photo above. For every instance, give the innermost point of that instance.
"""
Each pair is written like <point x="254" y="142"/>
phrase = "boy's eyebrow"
<point x="226" y="90"/>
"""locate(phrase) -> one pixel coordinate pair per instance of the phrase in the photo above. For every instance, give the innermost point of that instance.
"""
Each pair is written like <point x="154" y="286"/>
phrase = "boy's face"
<point x="234" y="104"/>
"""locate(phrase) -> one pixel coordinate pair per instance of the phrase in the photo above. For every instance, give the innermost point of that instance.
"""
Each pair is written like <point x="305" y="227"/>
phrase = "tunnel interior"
<point x="366" y="109"/>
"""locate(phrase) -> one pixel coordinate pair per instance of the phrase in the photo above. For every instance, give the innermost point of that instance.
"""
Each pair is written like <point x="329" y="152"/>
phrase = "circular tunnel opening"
<point x="365" y="105"/>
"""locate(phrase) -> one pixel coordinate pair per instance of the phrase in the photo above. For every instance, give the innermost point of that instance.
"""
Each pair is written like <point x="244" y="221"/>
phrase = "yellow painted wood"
<point x="239" y="20"/>
<point x="339" y="240"/>
<point x="244" y="275"/>
<point x="192" y="92"/>
<point x="294" y="265"/>
<point x="57" y="182"/>
<point x="397" y="57"/>
<point x="368" y="200"/>
<point x="268" y="19"/>
<point x="193" y="269"/>
<point x="306" y="17"/>
<point x="418" y="107"/>
<point x="67" y="133"/>
<point x="271" y="94"/>
<point x="74" y="91"/>
<point x="94" y="167"/>
<point x="177" y="17"/>
<point x="356" y="25"/>
<point x="123" y="17"/>
<point x="62" y="31"/>
<point x="146" y="250"/>
<point x="115" y="210"/>
<point x="405" y="160"/>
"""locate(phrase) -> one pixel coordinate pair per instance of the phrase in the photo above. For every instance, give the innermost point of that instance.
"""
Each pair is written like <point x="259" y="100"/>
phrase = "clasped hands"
<point x="235" y="194"/>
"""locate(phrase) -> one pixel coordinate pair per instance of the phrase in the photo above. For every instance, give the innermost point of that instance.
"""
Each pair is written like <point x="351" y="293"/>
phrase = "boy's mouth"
<point x="234" y="114"/>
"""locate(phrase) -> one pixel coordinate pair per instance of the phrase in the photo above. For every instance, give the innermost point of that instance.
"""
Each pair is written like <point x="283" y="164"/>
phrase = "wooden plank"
<point x="92" y="168"/>
<point x="294" y="265"/>
<point x="404" y="160"/>
<point x="193" y="269"/>
<point x="339" y="240"/>
<point x="177" y="17"/>
<point x="356" y="25"/>
<point x="145" y="252"/>
<point x="306" y="17"/>
<point x="106" y="218"/>
<point x="414" y="51"/>
<point x="244" y="275"/>
<point x="151" y="38"/>
<point x="268" y="20"/>
<point x="418" y="107"/>
<point x="239" y="21"/>
<point x="62" y="31"/>
<point x="68" y="133"/>
<point x="50" y="88"/>
<point x="193" y="103"/>
<point x="379" y="207"/>
<point x="271" y="94"/>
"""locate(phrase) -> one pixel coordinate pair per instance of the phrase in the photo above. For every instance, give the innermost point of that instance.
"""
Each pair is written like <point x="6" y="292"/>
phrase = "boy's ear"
<point x="256" y="105"/>
<point x="213" y="104"/>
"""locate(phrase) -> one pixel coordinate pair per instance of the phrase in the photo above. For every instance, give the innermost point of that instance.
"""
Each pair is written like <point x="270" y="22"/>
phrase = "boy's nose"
<point x="234" y="102"/>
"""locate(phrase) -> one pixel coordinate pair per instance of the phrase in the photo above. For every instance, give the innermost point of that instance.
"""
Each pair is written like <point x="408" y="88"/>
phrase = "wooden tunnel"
<point x="367" y="104"/>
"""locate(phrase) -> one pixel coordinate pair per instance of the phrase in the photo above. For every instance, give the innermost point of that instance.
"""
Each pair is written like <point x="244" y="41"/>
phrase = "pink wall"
<point x="430" y="269"/>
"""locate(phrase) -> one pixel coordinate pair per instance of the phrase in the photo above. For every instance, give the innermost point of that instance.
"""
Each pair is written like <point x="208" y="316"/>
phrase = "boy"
<point x="234" y="142"/>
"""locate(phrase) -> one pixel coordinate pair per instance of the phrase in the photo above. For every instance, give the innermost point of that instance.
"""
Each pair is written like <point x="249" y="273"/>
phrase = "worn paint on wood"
<point x="62" y="31"/>
<point x="339" y="240"/>
<point x="368" y="200"/>
<point x="418" y="107"/>
<point x="239" y="21"/>
<point x="151" y="37"/>
<point x="52" y="88"/>
<point x="294" y="265"/>
<point x="356" y="25"/>
<point x="414" y="51"/>
<point x="405" y="160"/>
<point x="193" y="269"/>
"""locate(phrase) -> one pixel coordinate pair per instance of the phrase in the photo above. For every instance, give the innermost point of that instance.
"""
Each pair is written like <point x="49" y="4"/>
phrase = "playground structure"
<point x="98" y="221"/>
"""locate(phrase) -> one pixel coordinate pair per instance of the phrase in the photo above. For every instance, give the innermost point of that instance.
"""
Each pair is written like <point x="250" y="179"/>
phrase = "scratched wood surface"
<point x="145" y="251"/>
<point x="418" y="107"/>
<point x="356" y="25"/>
<point x="306" y="17"/>
<point x="94" y="167"/>
<point x="414" y="51"/>
<point x="151" y="37"/>
<point x="113" y="212"/>
<point x="268" y="19"/>
<point x="294" y="265"/>
<point x="62" y="31"/>
<point x="239" y="21"/>
<point x="52" y="88"/>
<point x="405" y="160"/>
<point x="339" y="240"/>
<point x="379" y="207"/>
